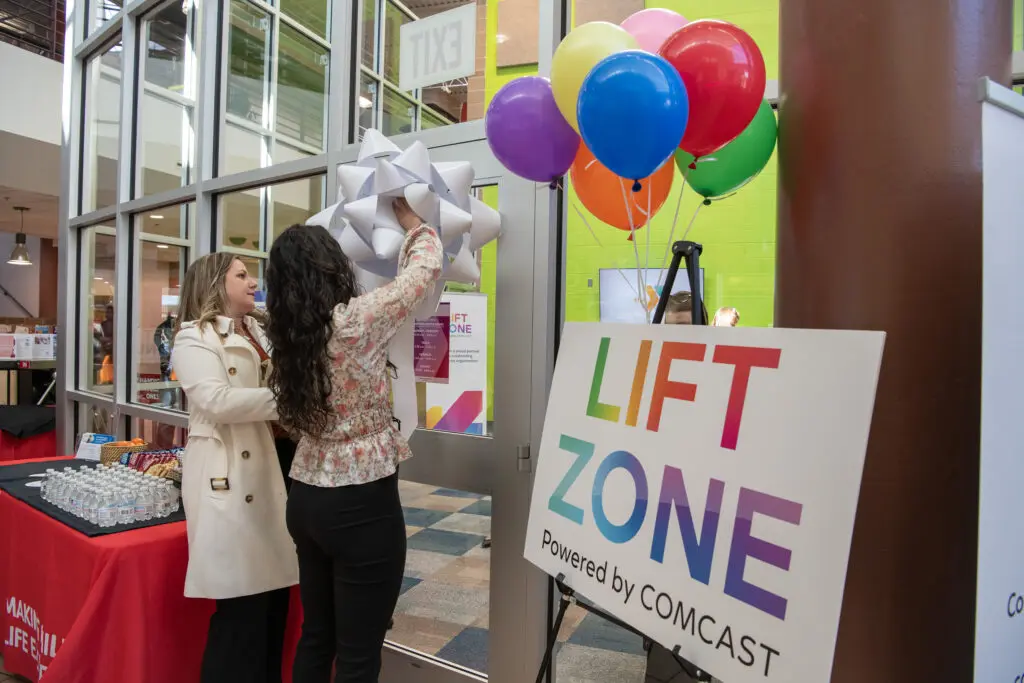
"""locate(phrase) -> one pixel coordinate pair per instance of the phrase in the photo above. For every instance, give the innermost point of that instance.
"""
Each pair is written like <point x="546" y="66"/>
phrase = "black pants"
<point x="246" y="639"/>
<point x="285" y="455"/>
<point x="351" y="545"/>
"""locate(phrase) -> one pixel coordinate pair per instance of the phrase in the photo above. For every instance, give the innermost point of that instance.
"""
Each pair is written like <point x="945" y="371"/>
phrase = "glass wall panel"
<point x="102" y="128"/>
<point x="248" y="79"/>
<point x="436" y="104"/>
<point x="301" y="88"/>
<point x="161" y="269"/>
<point x="277" y="80"/>
<point x="311" y="14"/>
<point x="159" y="435"/>
<point x="96" y="312"/>
<point x="168" y="221"/>
<point x="167" y="102"/>
<point x="92" y="418"/>
<point x="250" y="219"/>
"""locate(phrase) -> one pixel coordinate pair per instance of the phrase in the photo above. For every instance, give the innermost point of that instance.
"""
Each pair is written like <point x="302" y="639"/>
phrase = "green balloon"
<point x="736" y="164"/>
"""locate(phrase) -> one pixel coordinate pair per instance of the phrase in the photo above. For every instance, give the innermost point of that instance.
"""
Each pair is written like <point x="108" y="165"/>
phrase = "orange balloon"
<point x="600" y="190"/>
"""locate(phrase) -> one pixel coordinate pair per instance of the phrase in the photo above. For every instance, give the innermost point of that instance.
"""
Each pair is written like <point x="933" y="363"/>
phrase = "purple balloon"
<point x="527" y="133"/>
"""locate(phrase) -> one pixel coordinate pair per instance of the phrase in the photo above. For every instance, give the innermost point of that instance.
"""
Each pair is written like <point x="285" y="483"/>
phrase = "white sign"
<point x="461" y="404"/>
<point x="701" y="484"/>
<point x="999" y="622"/>
<point x="437" y="49"/>
<point x="620" y="302"/>
<point x="89" y="446"/>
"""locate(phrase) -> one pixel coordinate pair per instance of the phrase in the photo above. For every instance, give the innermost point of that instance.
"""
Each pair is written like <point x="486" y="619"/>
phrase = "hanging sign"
<point x="701" y="484"/>
<point x="439" y="48"/>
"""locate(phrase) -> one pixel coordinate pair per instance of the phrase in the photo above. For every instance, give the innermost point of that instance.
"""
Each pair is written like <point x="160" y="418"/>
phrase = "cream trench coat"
<point x="238" y="543"/>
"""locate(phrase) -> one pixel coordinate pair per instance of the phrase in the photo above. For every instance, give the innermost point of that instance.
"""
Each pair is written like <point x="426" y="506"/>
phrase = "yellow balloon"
<point x="578" y="53"/>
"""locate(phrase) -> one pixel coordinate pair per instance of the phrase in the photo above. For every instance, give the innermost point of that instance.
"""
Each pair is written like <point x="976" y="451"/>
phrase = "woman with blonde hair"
<point x="233" y="491"/>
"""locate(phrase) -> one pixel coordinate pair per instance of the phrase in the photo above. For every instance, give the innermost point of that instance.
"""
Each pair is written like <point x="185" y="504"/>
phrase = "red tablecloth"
<point x="110" y="608"/>
<point x="34" y="447"/>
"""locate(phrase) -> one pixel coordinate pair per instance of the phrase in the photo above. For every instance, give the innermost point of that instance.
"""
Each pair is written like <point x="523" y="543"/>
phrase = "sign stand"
<point x="690" y="251"/>
<point x="569" y="597"/>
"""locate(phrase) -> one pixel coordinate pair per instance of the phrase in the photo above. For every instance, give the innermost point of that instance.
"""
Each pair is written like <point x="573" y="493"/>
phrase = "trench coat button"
<point x="245" y="455"/>
<point x="248" y="498"/>
<point x="232" y="371"/>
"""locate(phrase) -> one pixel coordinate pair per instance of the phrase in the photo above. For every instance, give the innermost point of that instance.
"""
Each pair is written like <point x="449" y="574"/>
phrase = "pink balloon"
<point x="652" y="27"/>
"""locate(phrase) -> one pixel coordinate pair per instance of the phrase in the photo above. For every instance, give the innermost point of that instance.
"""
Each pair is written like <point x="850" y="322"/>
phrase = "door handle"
<point x="523" y="461"/>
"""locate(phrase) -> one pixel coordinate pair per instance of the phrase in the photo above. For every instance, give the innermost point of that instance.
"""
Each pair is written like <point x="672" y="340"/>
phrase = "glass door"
<point x="471" y="608"/>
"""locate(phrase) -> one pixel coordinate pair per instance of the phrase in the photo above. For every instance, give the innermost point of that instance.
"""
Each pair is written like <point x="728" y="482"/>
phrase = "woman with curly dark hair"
<point x="329" y="375"/>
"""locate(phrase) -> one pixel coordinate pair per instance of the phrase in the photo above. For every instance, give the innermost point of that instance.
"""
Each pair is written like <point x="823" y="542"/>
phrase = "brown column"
<point x="880" y="229"/>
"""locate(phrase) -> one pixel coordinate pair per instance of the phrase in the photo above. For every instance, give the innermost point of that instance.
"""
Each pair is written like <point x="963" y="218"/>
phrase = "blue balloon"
<point x="632" y="111"/>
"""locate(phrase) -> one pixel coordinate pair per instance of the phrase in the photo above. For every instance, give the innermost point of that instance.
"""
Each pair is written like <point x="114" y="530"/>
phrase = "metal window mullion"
<point x="212" y="79"/>
<point x="549" y="276"/>
<point x="137" y="8"/>
<point x="343" y="92"/>
<point x="271" y="53"/>
<point x="124" y="269"/>
<point x="67" y="238"/>
<point x="163" y="93"/>
<point x="176" y="242"/>
<point x="95" y="41"/>
<point x="308" y="33"/>
<point x="297" y="144"/>
<point x="239" y="122"/>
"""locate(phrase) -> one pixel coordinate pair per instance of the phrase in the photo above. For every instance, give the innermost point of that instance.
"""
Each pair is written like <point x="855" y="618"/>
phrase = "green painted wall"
<point x="738" y="234"/>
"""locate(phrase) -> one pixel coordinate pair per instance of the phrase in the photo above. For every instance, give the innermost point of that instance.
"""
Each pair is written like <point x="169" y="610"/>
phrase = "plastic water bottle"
<point x="75" y="498"/>
<point x="161" y="502"/>
<point x="144" y="504"/>
<point x="106" y="512"/>
<point x="173" y="498"/>
<point x="90" y="505"/>
<point x="125" y="506"/>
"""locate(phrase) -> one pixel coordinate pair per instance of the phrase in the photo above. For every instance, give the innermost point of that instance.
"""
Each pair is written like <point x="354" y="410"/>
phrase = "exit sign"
<point x="437" y="49"/>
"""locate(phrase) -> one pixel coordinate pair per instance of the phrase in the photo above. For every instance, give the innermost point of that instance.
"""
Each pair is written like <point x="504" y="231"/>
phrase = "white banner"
<point x="999" y="622"/>
<point x="701" y="484"/>
<point x="461" y="404"/>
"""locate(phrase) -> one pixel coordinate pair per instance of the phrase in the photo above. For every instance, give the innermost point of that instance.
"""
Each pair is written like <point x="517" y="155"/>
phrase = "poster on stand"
<point x="999" y="620"/>
<point x="460" y="405"/>
<point x="701" y="484"/>
<point x="430" y="346"/>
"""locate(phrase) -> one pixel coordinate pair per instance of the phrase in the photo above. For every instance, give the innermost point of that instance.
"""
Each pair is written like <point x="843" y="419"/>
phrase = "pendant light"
<point x="19" y="255"/>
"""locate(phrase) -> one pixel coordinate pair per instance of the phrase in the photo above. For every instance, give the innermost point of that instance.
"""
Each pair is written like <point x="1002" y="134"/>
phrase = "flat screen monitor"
<point x="620" y="302"/>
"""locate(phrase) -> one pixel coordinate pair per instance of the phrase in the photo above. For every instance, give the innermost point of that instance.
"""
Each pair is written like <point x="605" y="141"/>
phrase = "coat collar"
<point x="225" y="328"/>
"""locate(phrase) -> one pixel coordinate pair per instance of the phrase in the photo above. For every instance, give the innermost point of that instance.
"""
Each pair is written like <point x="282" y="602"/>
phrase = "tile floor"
<point x="443" y="610"/>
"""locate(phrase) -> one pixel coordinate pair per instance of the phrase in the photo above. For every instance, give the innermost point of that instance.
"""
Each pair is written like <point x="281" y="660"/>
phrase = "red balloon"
<point x="723" y="70"/>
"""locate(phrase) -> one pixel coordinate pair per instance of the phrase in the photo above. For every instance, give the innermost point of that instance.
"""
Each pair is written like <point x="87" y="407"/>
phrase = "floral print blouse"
<point x="362" y="443"/>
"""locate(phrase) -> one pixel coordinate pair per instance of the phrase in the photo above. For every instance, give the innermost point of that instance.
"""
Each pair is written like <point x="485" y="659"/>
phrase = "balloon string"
<point x="675" y="221"/>
<point x="694" y="218"/>
<point x="647" y="258"/>
<point x="594" y="235"/>
<point x="636" y="250"/>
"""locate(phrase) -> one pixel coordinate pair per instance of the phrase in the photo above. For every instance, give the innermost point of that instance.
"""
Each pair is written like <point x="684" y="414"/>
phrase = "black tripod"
<point x="568" y="597"/>
<point x="690" y="251"/>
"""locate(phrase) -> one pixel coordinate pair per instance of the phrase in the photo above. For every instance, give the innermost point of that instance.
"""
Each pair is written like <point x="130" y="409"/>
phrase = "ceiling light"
<point x="98" y="278"/>
<point x="501" y="38"/>
<point x="19" y="255"/>
<point x="161" y="246"/>
<point x="156" y="216"/>
<point x="365" y="102"/>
